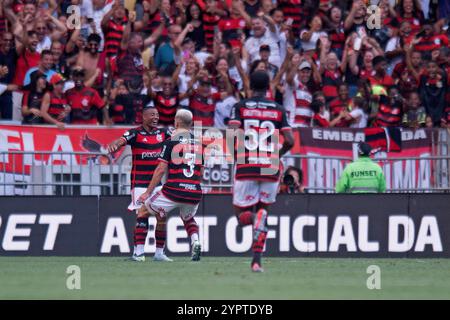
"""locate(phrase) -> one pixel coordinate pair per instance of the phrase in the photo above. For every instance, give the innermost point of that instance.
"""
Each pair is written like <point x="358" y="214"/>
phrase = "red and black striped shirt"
<point x="203" y="108"/>
<point x="337" y="37"/>
<point x="57" y="105"/>
<point x="209" y="22"/>
<point x="261" y="120"/>
<point x="183" y="154"/>
<point x="167" y="108"/>
<point x="113" y="37"/>
<point x="330" y="83"/>
<point x="388" y="115"/>
<point x="293" y="9"/>
<point x="146" y="147"/>
<point x="336" y="107"/>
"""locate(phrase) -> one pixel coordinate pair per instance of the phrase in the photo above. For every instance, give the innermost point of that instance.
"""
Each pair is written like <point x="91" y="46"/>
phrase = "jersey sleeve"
<point x="168" y="132"/>
<point x="284" y="121"/>
<point x="166" y="152"/>
<point x="130" y="136"/>
<point x="235" y="116"/>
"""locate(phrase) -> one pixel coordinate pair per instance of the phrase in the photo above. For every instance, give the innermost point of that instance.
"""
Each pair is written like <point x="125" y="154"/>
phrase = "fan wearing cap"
<point x="54" y="108"/>
<point x="362" y="175"/>
<point x="300" y="81"/>
<point x="85" y="101"/>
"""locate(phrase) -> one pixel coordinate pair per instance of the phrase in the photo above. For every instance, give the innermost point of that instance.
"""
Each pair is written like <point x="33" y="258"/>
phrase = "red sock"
<point x="140" y="231"/>
<point x="245" y="218"/>
<point x="160" y="233"/>
<point x="258" y="244"/>
<point x="191" y="226"/>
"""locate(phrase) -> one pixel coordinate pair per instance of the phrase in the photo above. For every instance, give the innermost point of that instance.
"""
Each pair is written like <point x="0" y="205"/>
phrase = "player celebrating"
<point x="256" y="178"/>
<point x="146" y="144"/>
<point x="181" y="157"/>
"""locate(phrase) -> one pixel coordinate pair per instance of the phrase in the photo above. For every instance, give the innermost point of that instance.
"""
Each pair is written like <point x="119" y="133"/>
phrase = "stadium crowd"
<point x="330" y="64"/>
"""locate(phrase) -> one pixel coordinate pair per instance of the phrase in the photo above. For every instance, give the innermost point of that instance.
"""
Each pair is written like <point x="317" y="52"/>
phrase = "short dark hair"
<point x="272" y="11"/>
<point x="94" y="37"/>
<point x="46" y="52"/>
<point x="316" y="105"/>
<point x="31" y="33"/>
<point x="259" y="81"/>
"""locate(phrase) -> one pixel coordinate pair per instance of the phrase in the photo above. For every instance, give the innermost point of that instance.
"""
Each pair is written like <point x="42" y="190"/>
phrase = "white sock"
<point x="159" y="251"/>
<point x="194" y="237"/>
<point x="139" y="249"/>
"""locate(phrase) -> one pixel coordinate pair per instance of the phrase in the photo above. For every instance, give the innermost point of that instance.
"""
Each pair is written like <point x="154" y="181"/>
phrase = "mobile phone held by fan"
<point x="289" y="21"/>
<point x="357" y="44"/>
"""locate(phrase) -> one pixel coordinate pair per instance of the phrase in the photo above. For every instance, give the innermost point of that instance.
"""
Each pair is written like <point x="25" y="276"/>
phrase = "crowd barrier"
<point x="42" y="160"/>
<point x="384" y="226"/>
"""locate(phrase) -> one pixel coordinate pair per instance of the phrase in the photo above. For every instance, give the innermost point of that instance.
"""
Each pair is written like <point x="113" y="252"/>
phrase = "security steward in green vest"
<point x="362" y="175"/>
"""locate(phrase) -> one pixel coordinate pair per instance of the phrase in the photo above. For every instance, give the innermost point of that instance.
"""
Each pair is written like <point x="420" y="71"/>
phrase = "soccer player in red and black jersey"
<point x="146" y="144"/>
<point x="181" y="159"/>
<point x="257" y="170"/>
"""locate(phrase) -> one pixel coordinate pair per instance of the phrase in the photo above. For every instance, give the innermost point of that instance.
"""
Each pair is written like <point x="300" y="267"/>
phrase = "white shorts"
<point x="159" y="204"/>
<point x="135" y="194"/>
<point x="247" y="193"/>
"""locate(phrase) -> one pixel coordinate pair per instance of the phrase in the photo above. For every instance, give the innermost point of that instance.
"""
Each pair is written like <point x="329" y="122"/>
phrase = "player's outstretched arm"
<point x="116" y="145"/>
<point x="156" y="179"/>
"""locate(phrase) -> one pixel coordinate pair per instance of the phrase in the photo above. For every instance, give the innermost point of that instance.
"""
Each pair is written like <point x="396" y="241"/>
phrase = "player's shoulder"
<point x="259" y="102"/>
<point x="132" y="133"/>
<point x="167" y="131"/>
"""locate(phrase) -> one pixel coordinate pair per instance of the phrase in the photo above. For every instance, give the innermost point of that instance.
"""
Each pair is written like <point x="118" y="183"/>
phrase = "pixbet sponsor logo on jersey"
<point x="153" y="154"/>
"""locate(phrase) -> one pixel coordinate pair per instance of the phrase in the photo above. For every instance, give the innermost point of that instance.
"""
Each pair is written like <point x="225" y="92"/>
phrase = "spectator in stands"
<point x="8" y="60"/>
<point x="262" y="35"/>
<point x="85" y="101"/>
<point x="44" y="67"/>
<point x="390" y="110"/>
<point x="433" y="89"/>
<point x="32" y="100"/>
<point x="415" y="116"/>
<point x="92" y="62"/>
<point x="164" y="57"/>
<point x="309" y="37"/>
<point x="240" y="36"/>
<point x="54" y="107"/>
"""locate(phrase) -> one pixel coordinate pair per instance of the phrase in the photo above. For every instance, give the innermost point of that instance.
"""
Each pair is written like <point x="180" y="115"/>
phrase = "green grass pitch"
<point x="223" y="278"/>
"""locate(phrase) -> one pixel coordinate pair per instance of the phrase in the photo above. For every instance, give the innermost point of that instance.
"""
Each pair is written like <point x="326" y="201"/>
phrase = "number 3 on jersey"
<point x="189" y="161"/>
<point x="257" y="134"/>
